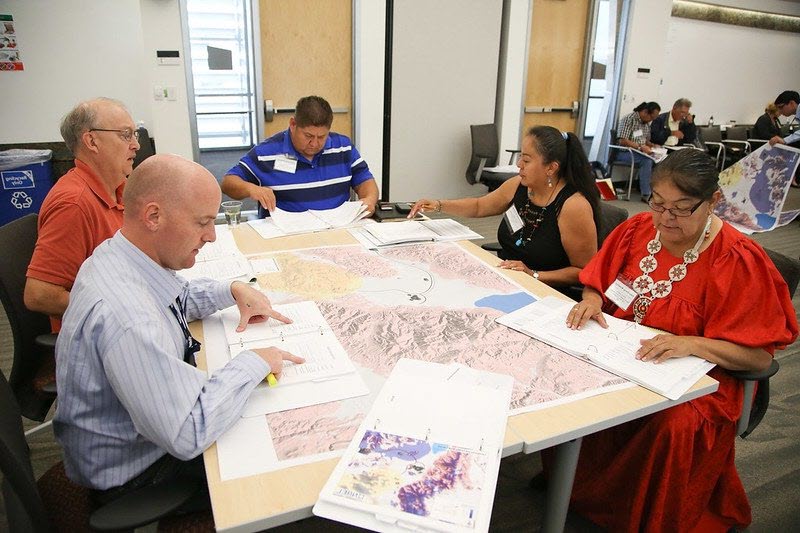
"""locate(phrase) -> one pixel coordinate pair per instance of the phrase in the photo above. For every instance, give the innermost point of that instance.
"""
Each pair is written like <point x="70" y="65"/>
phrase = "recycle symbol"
<point x="21" y="200"/>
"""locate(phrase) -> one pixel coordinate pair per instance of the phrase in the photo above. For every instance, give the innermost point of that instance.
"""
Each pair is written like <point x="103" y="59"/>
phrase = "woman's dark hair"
<point x="573" y="166"/>
<point x="693" y="172"/>
<point x="649" y="106"/>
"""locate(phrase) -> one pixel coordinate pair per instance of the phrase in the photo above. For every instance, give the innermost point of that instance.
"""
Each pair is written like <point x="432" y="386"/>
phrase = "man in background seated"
<point x="304" y="167"/>
<point x="676" y="127"/>
<point x="133" y="409"/>
<point x="787" y="104"/>
<point x="84" y="207"/>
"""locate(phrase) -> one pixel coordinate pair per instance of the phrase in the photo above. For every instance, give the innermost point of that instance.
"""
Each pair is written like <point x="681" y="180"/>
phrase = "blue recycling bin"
<point x="26" y="177"/>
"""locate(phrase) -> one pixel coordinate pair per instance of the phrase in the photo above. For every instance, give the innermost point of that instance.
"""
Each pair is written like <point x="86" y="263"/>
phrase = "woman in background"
<point x="766" y="127"/>
<point x="552" y="209"/>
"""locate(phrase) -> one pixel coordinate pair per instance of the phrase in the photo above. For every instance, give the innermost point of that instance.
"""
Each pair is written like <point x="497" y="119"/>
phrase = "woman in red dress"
<point x="722" y="299"/>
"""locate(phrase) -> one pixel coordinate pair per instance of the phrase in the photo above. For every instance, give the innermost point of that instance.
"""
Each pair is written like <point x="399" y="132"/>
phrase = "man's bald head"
<point x="170" y="207"/>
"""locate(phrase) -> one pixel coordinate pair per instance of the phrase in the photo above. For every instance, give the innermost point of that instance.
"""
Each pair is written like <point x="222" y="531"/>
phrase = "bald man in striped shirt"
<point x="133" y="410"/>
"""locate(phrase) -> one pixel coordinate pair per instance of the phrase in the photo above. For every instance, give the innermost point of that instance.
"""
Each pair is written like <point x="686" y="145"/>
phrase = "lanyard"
<point x="192" y="346"/>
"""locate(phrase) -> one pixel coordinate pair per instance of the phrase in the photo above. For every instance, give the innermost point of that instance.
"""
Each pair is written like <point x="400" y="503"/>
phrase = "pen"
<point x="272" y="381"/>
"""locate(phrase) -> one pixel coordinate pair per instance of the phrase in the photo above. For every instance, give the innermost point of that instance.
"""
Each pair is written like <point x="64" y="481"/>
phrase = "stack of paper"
<point x="613" y="349"/>
<point x="220" y="260"/>
<point x="427" y="455"/>
<point x="412" y="231"/>
<point x="326" y="376"/>
<point x="314" y="220"/>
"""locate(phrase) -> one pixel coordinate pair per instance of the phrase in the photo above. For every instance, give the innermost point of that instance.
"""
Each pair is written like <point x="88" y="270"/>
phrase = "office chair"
<point x="485" y="149"/>
<point x="57" y="504"/>
<point x="710" y="138"/>
<point x="613" y="151"/>
<point x="146" y="147"/>
<point x="736" y="144"/>
<point x="753" y="411"/>
<point x="33" y="368"/>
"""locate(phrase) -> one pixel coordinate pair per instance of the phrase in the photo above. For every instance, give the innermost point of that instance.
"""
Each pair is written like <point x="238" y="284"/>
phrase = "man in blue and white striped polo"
<point x="304" y="167"/>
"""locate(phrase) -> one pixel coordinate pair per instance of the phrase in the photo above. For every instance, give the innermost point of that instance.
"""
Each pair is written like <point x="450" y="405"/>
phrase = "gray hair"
<point x="682" y="102"/>
<point x="81" y="119"/>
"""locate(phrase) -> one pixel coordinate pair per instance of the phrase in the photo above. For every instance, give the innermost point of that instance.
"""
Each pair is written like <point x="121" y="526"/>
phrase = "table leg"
<point x="559" y="486"/>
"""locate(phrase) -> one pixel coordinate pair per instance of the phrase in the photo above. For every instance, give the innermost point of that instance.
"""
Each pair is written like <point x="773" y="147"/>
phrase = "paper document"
<point x="413" y="464"/>
<point x="221" y="269"/>
<point x="327" y="374"/>
<point x="414" y="231"/>
<point x="613" y="349"/>
<point x="223" y="246"/>
<point x="318" y="220"/>
<point x="657" y="153"/>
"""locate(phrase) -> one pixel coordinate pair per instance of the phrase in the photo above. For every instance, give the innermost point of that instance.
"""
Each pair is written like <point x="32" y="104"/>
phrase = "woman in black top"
<point x="552" y="209"/>
<point x="766" y="127"/>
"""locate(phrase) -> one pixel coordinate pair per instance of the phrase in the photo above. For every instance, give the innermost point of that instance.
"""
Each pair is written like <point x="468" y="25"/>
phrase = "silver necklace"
<point x="644" y="284"/>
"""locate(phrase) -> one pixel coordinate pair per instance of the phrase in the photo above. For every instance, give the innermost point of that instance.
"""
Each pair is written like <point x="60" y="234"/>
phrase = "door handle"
<point x="543" y="109"/>
<point x="270" y="110"/>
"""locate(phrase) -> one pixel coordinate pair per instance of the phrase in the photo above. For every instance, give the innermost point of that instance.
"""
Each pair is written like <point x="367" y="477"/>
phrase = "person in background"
<point x="133" y="410"/>
<point x="676" y="127"/>
<point x="552" y="209"/>
<point x="633" y="131"/>
<point x="674" y="470"/>
<point x="85" y="206"/>
<point x="787" y="102"/>
<point x="767" y="127"/>
<point x="304" y="167"/>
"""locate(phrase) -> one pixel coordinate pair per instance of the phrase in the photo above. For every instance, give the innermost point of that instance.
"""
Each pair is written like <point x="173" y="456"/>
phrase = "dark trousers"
<point x="166" y="469"/>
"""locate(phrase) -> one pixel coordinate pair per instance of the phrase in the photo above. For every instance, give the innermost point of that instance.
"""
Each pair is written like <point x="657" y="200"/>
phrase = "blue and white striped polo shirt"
<point x="322" y="183"/>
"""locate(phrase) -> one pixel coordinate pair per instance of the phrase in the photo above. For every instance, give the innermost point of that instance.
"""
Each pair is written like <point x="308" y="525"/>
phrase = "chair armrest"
<point x="756" y="375"/>
<point x="745" y="143"/>
<point x="48" y="340"/>
<point x="492" y="247"/>
<point x="620" y="147"/>
<point x="513" y="155"/>
<point x="143" y="506"/>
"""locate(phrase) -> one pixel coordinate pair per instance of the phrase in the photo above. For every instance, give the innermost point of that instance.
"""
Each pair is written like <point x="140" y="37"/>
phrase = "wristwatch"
<point x="535" y="274"/>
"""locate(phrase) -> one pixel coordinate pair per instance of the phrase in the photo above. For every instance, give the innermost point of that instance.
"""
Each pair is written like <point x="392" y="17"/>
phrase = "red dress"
<point x="674" y="470"/>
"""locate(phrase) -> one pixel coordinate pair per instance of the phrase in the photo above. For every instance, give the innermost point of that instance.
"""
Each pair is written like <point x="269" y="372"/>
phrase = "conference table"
<point x="279" y="497"/>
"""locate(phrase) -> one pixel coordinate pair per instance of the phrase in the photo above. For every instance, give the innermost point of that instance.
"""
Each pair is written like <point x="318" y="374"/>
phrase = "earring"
<point x="549" y="180"/>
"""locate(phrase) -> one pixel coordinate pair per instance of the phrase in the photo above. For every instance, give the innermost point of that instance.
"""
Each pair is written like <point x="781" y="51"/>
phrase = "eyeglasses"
<point x="126" y="134"/>
<point x="674" y="211"/>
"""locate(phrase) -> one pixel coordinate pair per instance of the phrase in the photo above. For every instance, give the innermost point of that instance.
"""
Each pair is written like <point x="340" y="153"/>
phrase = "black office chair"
<point x="485" y="149"/>
<point x="57" y="504"/>
<point x="33" y="368"/>
<point x="147" y="147"/>
<point x="710" y="140"/>
<point x="753" y="412"/>
<point x="632" y="167"/>
<point x="736" y="144"/>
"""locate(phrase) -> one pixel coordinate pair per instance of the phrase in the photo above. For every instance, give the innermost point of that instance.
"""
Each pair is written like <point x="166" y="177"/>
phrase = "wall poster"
<point x="9" y="51"/>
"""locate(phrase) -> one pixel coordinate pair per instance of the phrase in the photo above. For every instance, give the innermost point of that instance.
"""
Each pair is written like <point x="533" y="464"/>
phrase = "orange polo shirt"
<point x="76" y="216"/>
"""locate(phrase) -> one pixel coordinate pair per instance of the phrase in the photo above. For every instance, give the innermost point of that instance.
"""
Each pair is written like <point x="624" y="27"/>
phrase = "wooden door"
<point x="306" y="49"/>
<point x="555" y="63"/>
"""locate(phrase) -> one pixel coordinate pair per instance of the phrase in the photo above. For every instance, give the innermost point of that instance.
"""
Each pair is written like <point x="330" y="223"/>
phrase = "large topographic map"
<point x="754" y="189"/>
<point x="434" y="302"/>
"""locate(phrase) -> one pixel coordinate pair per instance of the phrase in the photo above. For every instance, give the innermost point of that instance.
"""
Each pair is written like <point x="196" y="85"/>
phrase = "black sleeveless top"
<point x="544" y="250"/>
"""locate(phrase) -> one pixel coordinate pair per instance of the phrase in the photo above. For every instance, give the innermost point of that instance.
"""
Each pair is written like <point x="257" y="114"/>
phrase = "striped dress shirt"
<point x="322" y="183"/>
<point x="125" y="395"/>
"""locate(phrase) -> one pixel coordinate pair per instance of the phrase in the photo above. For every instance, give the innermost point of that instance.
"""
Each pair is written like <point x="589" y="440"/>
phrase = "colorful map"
<point x="754" y="189"/>
<point x="414" y="476"/>
<point x="434" y="302"/>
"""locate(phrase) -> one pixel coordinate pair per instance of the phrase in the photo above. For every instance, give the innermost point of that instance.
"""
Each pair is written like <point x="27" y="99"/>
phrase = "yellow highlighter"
<point x="272" y="381"/>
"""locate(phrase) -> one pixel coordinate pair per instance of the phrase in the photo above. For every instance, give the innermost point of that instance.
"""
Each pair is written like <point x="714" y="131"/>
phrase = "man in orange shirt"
<point x="84" y="207"/>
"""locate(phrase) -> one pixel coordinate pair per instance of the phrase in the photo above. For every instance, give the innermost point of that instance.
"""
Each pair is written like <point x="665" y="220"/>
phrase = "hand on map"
<point x="515" y="265"/>
<point x="275" y="357"/>
<point x="253" y="306"/>
<point x="589" y="307"/>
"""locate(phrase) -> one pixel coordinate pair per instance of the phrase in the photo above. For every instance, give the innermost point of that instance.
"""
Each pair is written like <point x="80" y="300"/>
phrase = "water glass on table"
<point x="233" y="212"/>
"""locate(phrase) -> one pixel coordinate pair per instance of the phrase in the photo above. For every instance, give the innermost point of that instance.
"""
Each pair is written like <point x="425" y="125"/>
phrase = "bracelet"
<point x="438" y="206"/>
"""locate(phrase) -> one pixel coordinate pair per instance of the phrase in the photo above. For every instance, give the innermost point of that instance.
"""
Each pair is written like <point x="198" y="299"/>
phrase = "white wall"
<point x="444" y="79"/>
<point x="370" y="42"/>
<point x="727" y="71"/>
<point x="513" y="69"/>
<point x="73" y="50"/>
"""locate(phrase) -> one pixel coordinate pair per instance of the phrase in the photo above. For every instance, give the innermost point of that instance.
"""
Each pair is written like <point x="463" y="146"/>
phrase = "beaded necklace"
<point x="661" y="289"/>
<point x="533" y="215"/>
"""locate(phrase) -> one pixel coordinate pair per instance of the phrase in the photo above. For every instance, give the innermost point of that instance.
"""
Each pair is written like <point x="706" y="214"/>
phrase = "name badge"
<point x="284" y="164"/>
<point x="621" y="293"/>
<point x="513" y="219"/>
<point x="638" y="133"/>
